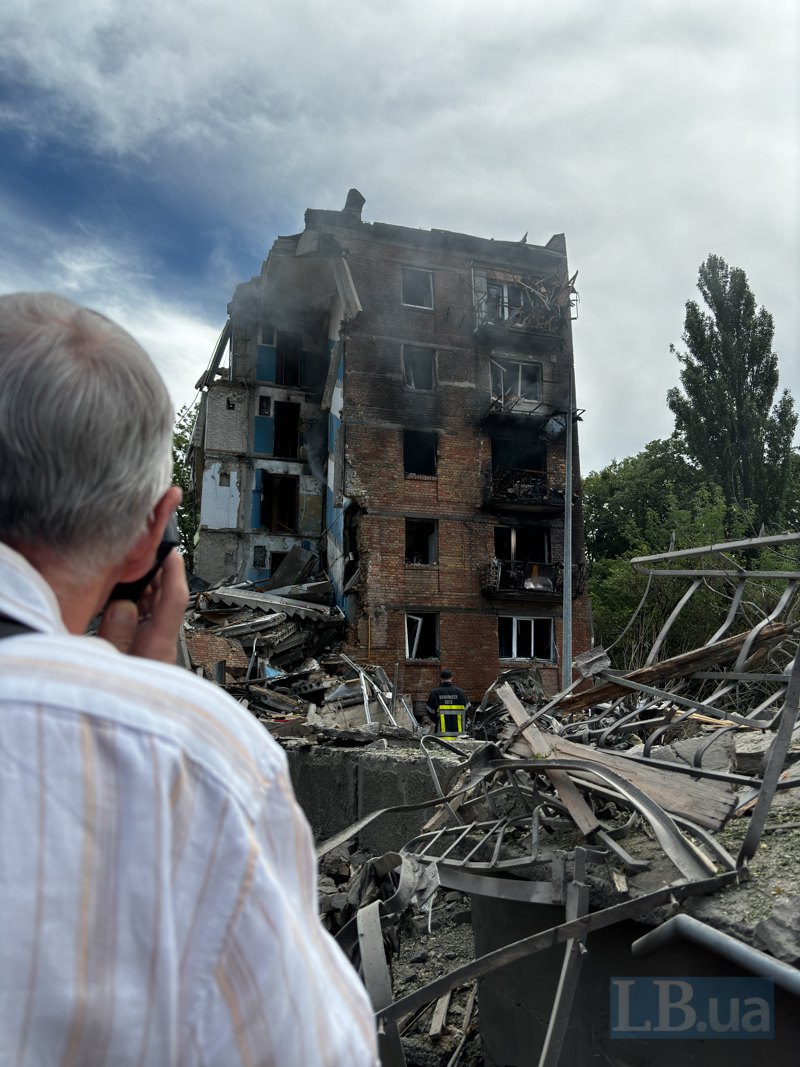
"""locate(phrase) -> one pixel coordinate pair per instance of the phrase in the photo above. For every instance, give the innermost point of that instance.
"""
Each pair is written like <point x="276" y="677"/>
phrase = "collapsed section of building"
<point x="401" y="401"/>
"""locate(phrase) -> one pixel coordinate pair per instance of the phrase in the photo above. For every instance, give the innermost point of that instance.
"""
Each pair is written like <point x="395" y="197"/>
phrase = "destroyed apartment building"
<point x="400" y="402"/>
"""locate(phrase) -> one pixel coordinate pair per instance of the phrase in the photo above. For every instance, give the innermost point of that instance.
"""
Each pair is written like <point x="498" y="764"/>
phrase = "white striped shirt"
<point x="157" y="878"/>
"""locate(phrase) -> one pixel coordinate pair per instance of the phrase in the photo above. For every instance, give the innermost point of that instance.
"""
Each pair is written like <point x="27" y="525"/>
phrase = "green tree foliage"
<point x="182" y="476"/>
<point x="641" y="506"/>
<point x="726" y="415"/>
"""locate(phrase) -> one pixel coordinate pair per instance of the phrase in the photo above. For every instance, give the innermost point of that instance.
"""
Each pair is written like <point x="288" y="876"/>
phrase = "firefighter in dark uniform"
<point x="447" y="706"/>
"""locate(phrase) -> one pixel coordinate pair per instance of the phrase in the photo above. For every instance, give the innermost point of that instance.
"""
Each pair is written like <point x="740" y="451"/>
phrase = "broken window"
<point x="504" y="300"/>
<point x="279" y="498"/>
<point x="265" y="405"/>
<point x="530" y="545"/>
<point x="421" y="546"/>
<point x="519" y="453"/>
<point x="267" y="333"/>
<point x="259" y="557"/>
<point x="419" y="452"/>
<point x="224" y="477"/>
<point x="419" y="367"/>
<point x="287" y="430"/>
<point x="287" y="358"/>
<point x="230" y="403"/>
<point x="525" y="638"/>
<point x="509" y="379"/>
<point x="422" y="635"/>
<point x="417" y="287"/>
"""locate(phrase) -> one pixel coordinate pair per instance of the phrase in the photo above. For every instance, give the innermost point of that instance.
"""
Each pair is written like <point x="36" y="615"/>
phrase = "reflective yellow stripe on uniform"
<point x="451" y="718"/>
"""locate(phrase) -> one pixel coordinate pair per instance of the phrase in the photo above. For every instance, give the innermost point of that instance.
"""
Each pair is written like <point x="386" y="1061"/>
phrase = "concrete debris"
<point x="276" y="647"/>
<point x="621" y="802"/>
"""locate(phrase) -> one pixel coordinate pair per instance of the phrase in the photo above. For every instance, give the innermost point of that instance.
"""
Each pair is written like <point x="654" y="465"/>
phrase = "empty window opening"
<point x="275" y="560"/>
<point x="267" y="333"/>
<point x="422" y="635"/>
<point x="519" y="453"/>
<point x="417" y="287"/>
<point x="279" y="497"/>
<point x="421" y="541"/>
<point x="287" y="430"/>
<point x="525" y="638"/>
<point x="517" y="380"/>
<point x="224" y="477"/>
<point x="287" y="358"/>
<point x="530" y="545"/>
<point x="230" y="403"/>
<point x="419" y="452"/>
<point x="419" y="367"/>
<point x="259" y="557"/>
<point x="265" y="405"/>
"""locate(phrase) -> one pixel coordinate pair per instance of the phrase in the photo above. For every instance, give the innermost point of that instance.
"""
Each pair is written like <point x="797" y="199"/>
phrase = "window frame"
<point x="416" y="270"/>
<point x="434" y="434"/>
<point x="505" y="365"/>
<point x="418" y="617"/>
<point x="406" y="351"/>
<point x="532" y="619"/>
<point x="433" y="543"/>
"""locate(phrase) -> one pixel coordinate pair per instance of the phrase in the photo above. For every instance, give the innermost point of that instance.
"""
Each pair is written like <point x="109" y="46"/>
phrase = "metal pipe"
<point x="746" y="957"/>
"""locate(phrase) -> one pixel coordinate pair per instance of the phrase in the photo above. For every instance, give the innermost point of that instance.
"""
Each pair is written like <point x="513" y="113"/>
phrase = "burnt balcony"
<point x="519" y="489"/>
<point x="522" y="579"/>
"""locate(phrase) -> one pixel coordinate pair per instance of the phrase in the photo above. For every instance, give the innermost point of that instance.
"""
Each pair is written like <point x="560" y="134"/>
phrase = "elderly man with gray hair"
<point x="157" y="878"/>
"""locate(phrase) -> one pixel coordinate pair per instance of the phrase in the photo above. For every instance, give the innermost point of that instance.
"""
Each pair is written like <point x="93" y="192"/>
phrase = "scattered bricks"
<point x="205" y="650"/>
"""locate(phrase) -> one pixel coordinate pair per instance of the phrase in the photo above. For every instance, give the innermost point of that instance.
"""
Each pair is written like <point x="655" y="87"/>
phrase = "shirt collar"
<point x="25" y="596"/>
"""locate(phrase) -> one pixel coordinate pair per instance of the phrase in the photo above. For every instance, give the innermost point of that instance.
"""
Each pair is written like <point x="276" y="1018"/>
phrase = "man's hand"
<point x="150" y="628"/>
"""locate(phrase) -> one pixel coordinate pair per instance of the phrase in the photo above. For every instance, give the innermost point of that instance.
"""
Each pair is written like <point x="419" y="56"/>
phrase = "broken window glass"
<point x="525" y="638"/>
<point x="419" y="367"/>
<point x="421" y="541"/>
<point x="419" y="452"/>
<point x="504" y="300"/>
<point x="422" y="635"/>
<point x="417" y="287"/>
<point x="510" y="379"/>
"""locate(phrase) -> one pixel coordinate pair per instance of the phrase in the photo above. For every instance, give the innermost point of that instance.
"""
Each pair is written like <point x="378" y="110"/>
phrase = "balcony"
<point x="520" y="579"/>
<point x="518" y="489"/>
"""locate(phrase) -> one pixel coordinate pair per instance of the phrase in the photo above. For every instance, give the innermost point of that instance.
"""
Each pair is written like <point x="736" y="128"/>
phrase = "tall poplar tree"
<point x="726" y="414"/>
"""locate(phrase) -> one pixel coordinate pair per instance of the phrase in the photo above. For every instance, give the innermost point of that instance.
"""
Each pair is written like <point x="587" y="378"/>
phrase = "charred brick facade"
<point x="441" y="365"/>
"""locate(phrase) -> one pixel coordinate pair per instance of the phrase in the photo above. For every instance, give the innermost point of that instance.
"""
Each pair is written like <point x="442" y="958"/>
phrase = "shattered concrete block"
<point x="780" y="933"/>
<point x="717" y="757"/>
<point x="750" y="749"/>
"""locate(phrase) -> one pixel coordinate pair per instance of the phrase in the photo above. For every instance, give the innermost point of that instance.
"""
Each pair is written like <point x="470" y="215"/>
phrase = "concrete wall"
<point x="338" y="786"/>
<point x="220" y="503"/>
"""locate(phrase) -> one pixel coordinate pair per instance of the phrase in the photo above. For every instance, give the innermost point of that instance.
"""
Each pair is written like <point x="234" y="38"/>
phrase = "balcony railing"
<point x="500" y="577"/>
<point x="512" y="485"/>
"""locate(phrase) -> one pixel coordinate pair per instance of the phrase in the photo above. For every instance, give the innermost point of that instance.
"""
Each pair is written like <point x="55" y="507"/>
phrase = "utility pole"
<point x="566" y="608"/>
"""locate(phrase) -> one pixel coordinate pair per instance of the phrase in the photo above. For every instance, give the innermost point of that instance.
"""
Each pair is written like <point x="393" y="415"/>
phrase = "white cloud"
<point x="652" y="134"/>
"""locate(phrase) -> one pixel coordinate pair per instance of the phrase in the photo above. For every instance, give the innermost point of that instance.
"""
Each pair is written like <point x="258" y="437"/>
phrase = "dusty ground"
<point x="425" y="956"/>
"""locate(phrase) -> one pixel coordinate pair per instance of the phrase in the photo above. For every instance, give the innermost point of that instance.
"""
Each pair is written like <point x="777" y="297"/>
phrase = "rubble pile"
<point x="629" y="795"/>
<point x="275" y="646"/>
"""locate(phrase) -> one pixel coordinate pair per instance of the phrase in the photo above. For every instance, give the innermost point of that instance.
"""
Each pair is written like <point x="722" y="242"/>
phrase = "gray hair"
<point x="85" y="430"/>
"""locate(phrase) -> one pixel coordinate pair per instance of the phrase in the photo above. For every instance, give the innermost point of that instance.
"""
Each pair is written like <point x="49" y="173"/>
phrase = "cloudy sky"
<point x="151" y="152"/>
